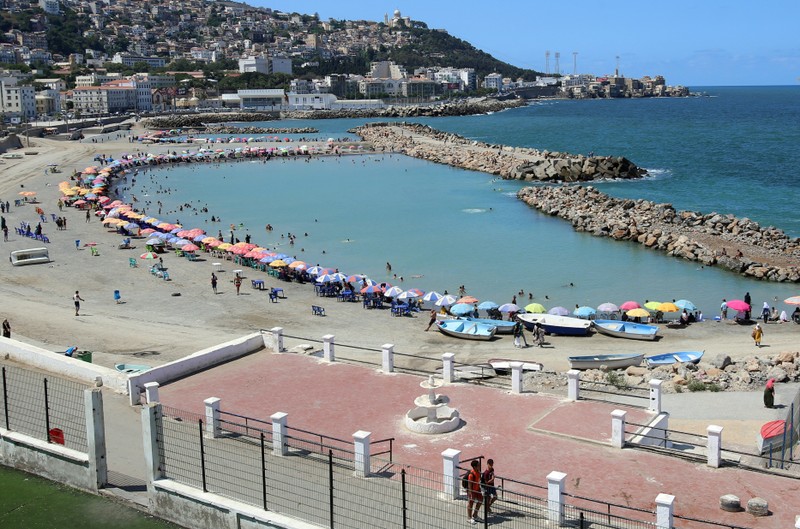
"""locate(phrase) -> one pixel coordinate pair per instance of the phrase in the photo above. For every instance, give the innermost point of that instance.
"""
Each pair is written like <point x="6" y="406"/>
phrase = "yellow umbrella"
<point x="295" y="264"/>
<point x="638" y="313"/>
<point x="668" y="307"/>
<point x="224" y="246"/>
<point x="208" y="240"/>
<point x="535" y="308"/>
<point x="27" y="193"/>
<point x="109" y="220"/>
<point x="277" y="263"/>
<point x="68" y="192"/>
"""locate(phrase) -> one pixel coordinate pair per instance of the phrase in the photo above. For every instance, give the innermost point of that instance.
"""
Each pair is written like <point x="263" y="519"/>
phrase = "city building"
<point x="16" y="101"/>
<point x="51" y="7"/>
<point x="128" y="59"/>
<point x="493" y="81"/>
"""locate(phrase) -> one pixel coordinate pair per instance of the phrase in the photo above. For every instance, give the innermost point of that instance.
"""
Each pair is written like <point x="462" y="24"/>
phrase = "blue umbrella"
<point x="460" y="309"/>
<point x="509" y="307"/>
<point x="488" y="305"/>
<point x="200" y="237"/>
<point x="686" y="304"/>
<point x="268" y="259"/>
<point x="584" y="312"/>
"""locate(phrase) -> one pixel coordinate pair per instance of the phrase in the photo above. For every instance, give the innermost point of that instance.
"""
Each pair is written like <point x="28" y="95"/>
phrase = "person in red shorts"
<point x="474" y="491"/>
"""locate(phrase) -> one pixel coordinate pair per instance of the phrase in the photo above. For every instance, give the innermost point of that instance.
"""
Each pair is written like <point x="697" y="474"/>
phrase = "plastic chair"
<point x="117" y="296"/>
<point x="94" y="251"/>
<point x="132" y="262"/>
<point x="165" y="275"/>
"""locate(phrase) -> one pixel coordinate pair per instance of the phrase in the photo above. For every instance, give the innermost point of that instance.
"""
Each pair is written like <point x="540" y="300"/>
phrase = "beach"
<point x="159" y="321"/>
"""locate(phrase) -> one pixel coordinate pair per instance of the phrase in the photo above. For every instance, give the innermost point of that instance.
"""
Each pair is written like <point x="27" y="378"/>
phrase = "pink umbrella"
<point x="738" y="304"/>
<point x="630" y="305"/>
<point x="190" y="247"/>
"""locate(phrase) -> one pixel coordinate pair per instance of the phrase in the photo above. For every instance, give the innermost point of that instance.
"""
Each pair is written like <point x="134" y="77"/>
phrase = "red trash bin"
<point x="57" y="436"/>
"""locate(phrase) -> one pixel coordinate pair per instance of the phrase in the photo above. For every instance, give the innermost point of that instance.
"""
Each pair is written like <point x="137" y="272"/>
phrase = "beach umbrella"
<point x="686" y="304"/>
<point x="277" y="263"/>
<point x="79" y="203"/>
<point x="319" y="270"/>
<point x="367" y="282"/>
<point x="738" y="305"/>
<point x="638" y="313"/>
<point x="393" y="292"/>
<point x="180" y="242"/>
<point x="199" y="238"/>
<point x="628" y="305"/>
<point x="559" y="311"/>
<point x="337" y="276"/>
<point x="419" y="293"/>
<point x="408" y="294"/>
<point x="446" y="301"/>
<point x="461" y="309"/>
<point x="488" y="305"/>
<point x="668" y="307"/>
<point x="355" y="278"/>
<point x="584" y="312"/>
<point x="794" y="300"/>
<point x="372" y="289"/>
<point x="607" y="307"/>
<point x="148" y="231"/>
<point x="653" y="305"/>
<point x="27" y="193"/>
<point x="535" y="308"/>
<point x="149" y="255"/>
<point x="267" y="259"/>
<point x="224" y="246"/>
<point x="190" y="247"/>
<point x="432" y="296"/>
<point x="206" y="240"/>
<point x="468" y="299"/>
<point x="161" y="235"/>
<point x="131" y="226"/>
<point x="155" y="241"/>
<point x="509" y="307"/>
<point x="324" y="278"/>
<point x="297" y="264"/>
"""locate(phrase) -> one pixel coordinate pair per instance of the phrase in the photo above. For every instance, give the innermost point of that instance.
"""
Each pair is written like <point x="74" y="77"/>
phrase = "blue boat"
<point x="626" y="329"/>
<point x="466" y="329"/>
<point x="563" y="325"/>
<point x="612" y="361"/>
<point x="503" y="326"/>
<point x="674" y="358"/>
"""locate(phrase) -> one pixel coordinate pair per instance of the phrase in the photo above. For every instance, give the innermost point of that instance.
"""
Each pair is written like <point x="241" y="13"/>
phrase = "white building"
<point x="263" y="99"/>
<point x="96" y="79"/>
<point x="51" y="7"/>
<point x="311" y="101"/>
<point x="254" y="64"/>
<point x="386" y="70"/>
<point x="280" y="65"/>
<point x="493" y="81"/>
<point x="15" y="100"/>
<point x="129" y="60"/>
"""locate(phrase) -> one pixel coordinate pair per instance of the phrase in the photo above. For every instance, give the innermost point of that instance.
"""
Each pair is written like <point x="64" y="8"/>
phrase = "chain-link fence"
<point x="43" y="406"/>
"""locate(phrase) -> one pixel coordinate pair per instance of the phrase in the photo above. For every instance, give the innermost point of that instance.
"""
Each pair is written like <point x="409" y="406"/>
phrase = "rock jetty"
<point x="511" y="163"/>
<point x="227" y="129"/>
<point x="738" y="244"/>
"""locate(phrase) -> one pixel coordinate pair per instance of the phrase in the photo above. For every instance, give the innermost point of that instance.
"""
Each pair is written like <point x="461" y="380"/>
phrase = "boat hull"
<point x="627" y="330"/>
<point x="617" y="361"/>
<point x="502" y="365"/>
<point x="466" y="330"/>
<point x="561" y="325"/>
<point x="667" y="359"/>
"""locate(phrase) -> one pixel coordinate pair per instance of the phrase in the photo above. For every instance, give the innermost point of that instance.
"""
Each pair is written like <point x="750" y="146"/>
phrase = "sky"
<point x="689" y="42"/>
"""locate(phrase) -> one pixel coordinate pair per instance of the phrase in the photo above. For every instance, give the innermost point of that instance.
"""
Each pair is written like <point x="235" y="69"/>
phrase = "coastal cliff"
<point x="510" y="163"/>
<point x="738" y="244"/>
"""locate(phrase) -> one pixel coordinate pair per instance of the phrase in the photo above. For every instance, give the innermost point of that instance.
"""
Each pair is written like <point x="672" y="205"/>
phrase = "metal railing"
<point x="611" y="392"/>
<point x="44" y="407"/>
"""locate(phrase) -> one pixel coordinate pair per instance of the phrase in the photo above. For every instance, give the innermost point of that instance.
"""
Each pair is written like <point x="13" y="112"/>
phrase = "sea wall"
<point x="422" y="141"/>
<point x="738" y="244"/>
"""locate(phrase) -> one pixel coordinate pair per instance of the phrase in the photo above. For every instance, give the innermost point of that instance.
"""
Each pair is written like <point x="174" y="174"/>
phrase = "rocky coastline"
<point x="511" y="163"/>
<point x="738" y="244"/>
<point x="228" y="129"/>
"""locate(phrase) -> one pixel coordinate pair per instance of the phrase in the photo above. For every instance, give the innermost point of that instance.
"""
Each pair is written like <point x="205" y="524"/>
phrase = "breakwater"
<point x="713" y="239"/>
<point x="517" y="163"/>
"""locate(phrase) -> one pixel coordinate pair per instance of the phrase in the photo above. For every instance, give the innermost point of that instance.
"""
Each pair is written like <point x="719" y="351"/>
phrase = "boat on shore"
<point x="132" y="368"/>
<point x="503" y="326"/>
<point x="466" y="329"/>
<point x="772" y="436"/>
<point x="612" y="361"/>
<point x="562" y="325"/>
<point x="503" y="365"/>
<point x="626" y="329"/>
<point x="667" y="359"/>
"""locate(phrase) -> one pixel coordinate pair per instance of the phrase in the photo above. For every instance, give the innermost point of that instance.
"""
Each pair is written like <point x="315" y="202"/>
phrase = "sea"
<point x="728" y="150"/>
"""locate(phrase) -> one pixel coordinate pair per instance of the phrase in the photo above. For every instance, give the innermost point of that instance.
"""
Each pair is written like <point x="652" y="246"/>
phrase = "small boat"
<point x="503" y="326"/>
<point x="626" y="329"/>
<point x="503" y="365"/>
<point x="674" y="358"/>
<point x="467" y="330"/>
<point x="613" y="361"/>
<point x="472" y="372"/>
<point x="132" y="368"/>
<point x="772" y="436"/>
<point x="563" y="325"/>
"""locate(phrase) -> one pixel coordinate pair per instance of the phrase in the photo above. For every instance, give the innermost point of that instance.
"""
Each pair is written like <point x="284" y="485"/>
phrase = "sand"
<point x="153" y="325"/>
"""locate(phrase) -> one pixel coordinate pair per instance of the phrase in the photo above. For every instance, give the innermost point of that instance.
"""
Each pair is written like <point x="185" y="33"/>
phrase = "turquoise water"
<point x="441" y="227"/>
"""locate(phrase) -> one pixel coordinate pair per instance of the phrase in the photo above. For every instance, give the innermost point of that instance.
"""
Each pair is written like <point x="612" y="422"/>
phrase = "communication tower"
<point x="547" y="62"/>
<point x="558" y="68"/>
<point x="616" y="72"/>
<point x="574" y="63"/>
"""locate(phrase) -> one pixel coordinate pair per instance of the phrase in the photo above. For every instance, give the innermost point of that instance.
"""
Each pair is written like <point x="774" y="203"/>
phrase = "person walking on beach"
<point x="538" y="334"/>
<point x="769" y="394"/>
<point x="237" y="282"/>
<point x="723" y="310"/>
<point x="77" y="299"/>
<point x="88" y="215"/>
<point x="749" y="302"/>
<point x="214" y="282"/>
<point x="519" y="334"/>
<point x="757" y="334"/>
<point x="474" y="494"/>
<point x="489" y="490"/>
<point x="432" y="320"/>
<point x="765" y="312"/>
<point x="6" y="329"/>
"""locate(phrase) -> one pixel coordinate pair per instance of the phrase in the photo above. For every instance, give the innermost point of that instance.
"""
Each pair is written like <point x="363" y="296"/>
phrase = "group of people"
<point x="519" y="335"/>
<point x="480" y="488"/>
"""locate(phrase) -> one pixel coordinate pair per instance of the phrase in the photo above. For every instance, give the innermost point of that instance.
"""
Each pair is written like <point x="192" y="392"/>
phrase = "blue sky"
<point x="694" y="43"/>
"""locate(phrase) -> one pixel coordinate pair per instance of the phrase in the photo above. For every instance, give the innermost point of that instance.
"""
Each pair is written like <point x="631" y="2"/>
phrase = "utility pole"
<point x="616" y="72"/>
<point x="574" y="63"/>
<point x="547" y="62"/>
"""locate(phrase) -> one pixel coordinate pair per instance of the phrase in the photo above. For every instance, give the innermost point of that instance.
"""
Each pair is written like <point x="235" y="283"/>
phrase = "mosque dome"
<point x="396" y="13"/>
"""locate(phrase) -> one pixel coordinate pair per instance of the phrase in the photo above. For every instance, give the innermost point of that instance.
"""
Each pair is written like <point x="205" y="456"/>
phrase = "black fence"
<point x="616" y="391"/>
<point x="43" y="406"/>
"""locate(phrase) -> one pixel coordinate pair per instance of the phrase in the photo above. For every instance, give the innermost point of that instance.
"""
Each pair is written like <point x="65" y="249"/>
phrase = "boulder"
<point x="730" y="503"/>
<point x="721" y="361"/>
<point x="636" y="371"/>
<point x="786" y="356"/>
<point x="758" y="507"/>
<point x="778" y="373"/>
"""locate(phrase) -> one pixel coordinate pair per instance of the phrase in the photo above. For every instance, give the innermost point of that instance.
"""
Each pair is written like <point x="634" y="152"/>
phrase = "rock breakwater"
<point x="738" y="244"/>
<point x="511" y="163"/>
<point x="456" y="108"/>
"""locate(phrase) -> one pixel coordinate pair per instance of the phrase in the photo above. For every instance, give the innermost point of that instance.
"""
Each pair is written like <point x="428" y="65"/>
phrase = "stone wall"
<point x="422" y="141"/>
<point x="738" y="244"/>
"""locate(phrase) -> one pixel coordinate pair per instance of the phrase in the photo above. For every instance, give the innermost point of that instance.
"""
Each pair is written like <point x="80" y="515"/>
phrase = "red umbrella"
<point x="630" y="305"/>
<point x="190" y="247"/>
<point x="468" y="299"/>
<point x="738" y="304"/>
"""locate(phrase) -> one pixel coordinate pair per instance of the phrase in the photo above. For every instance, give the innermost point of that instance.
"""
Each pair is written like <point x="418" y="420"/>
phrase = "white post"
<point x="96" y="435"/>
<point x="516" y="377"/>
<point x="387" y="350"/>
<point x="448" y="367"/>
<point x="361" y="450"/>
<point x="797" y="522"/>
<point x="555" y="495"/>
<point x="714" y="445"/>
<point x="152" y="456"/>
<point x="279" y="421"/>
<point x="573" y="381"/>
<point x="655" y="395"/>
<point x="664" y="505"/>
<point x="276" y="343"/>
<point x="450" y="461"/>
<point x="151" y="392"/>
<point x="327" y="348"/>
<point x="618" y="428"/>
<point x="212" y="417"/>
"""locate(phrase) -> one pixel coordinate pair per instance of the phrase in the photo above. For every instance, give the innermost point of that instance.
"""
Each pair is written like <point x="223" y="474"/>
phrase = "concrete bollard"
<point x="573" y="383"/>
<point x="327" y="348"/>
<point x="664" y="507"/>
<point x="797" y="522"/>
<point x="450" y="461"/>
<point x="714" y="446"/>
<point x="555" y="497"/>
<point x="151" y="392"/>
<point x="277" y="340"/>
<point x="387" y="351"/>
<point x="618" y="428"/>
<point x="361" y="453"/>
<point x="212" y="417"/>
<point x="516" y="377"/>
<point x="655" y="395"/>
<point x="448" y="368"/>
<point x="279" y="422"/>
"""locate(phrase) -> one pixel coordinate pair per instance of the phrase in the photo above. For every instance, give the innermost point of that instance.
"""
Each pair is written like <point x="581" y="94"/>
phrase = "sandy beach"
<point x="155" y="325"/>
